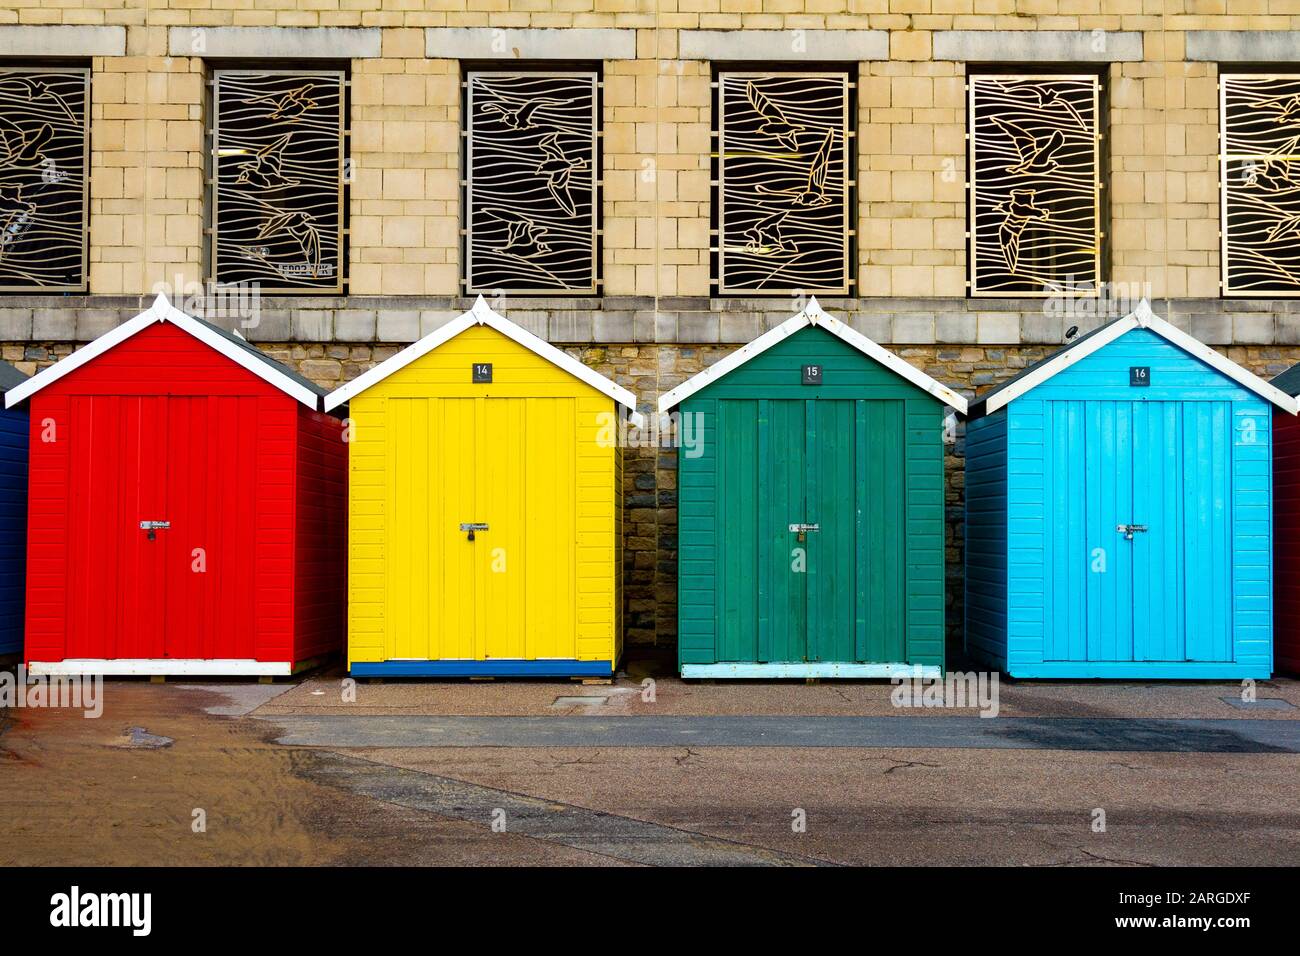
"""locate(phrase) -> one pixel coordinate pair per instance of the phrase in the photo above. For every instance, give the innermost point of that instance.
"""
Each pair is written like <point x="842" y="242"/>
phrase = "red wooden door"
<point x="213" y="487"/>
<point x="119" y="479"/>
<point x="185" y="589"/>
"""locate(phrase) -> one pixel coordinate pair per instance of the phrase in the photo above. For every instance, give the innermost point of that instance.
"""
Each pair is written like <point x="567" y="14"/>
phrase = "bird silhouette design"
<point x="23" y="147"/>
<point x="523" y="235"/>
<point x="1050" y="96"/>
<point x="265" y="168"/>
<point x="1034" y="157"/>
<point x="774" y="121"/>
<point x="1019" y="211"/>
<point x="290" y="106"/>
<point x="34" y="89"/>
<point x="518" y="113"/>
<point x="301" y="228"/>
<point x="1289" y="226"/>
<point x="1271" y="176"/>
<point x="558" y="170"/>
<point x="814" y="193"/>
<point x="764" y="237"/>
<point x="1286" y="108"/>
<point x="16" y="214"/>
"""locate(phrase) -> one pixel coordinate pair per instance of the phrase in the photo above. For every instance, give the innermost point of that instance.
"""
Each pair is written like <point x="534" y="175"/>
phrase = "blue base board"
<point x="497" y="668"/>
<point x="1142" y="670"/>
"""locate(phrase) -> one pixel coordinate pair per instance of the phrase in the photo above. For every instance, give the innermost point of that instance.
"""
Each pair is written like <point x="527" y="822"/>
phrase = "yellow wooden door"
<point x="526" y="558"/>
<point x="431" y="573"/>
<point x="509" y="593"/>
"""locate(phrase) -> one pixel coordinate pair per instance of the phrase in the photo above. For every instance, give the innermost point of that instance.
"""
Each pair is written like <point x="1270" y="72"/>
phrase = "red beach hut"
<point x="1286" y="517"/>
<point x="187" y="507"/>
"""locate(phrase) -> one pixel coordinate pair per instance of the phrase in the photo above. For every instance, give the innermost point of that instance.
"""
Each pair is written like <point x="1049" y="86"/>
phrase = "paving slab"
<point x="1010" y="733"/>
<point x="920" y="807"/>
<point x="603" y="833"/>
<point x="668" y="695"/>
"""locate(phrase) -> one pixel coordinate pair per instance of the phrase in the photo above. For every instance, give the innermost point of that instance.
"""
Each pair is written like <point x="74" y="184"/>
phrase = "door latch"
<point x="1128" y="530"/>
<point x="153" y="527"/>
<point x="803" y="529"/>
<point x="469" y="527"/>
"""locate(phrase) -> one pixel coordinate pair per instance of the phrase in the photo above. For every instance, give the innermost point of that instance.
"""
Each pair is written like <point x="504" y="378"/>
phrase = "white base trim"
<point x="810" y="669"/>
<point x="167" y="667"/>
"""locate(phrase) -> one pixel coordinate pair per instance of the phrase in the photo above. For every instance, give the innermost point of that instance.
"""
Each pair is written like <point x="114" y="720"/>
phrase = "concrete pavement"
<point x="1182" y="776"/>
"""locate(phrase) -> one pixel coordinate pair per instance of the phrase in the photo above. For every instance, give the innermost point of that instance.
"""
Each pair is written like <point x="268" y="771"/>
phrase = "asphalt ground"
<point x="319" y="771"/>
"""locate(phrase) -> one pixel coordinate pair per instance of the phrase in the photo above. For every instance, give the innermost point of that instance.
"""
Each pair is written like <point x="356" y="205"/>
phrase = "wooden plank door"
<point x="857" y="558"/>
<point x="214" y="511"/>
<point x="1163" y="593"/>
<point x="1182" y="562"/>
<point x="762" y="578"/>
<point x="881" y="535"/>
<point x="118" y="575"/>
<point x="431" y="574"/>
<point x="1159" y="556"/>
<point x="1207" y="533"/>
<point x="526" y="562"/>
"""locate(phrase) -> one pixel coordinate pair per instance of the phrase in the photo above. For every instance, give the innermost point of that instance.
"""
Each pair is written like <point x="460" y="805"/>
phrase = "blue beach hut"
<point x="13" y="514"/>
<point x="1119" y="511"/>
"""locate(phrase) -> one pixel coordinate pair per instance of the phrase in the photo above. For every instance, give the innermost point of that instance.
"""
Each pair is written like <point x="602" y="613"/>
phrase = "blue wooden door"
<point x="1139" y="532"/>
<point x="1206" y="439"/>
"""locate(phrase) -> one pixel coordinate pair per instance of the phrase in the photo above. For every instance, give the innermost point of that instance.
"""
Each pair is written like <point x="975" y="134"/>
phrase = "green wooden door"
<point x="834" y="593"/>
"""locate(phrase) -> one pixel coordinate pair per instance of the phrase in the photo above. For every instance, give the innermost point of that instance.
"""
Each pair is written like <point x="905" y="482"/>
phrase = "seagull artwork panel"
<point x="531" y="161"/>
<point x="1034" y="167"/>
<point x="1260" y="167"/>
<point x="278" y="165"/>
<point x="784" y="146"/>
<point x="43" y="176"/>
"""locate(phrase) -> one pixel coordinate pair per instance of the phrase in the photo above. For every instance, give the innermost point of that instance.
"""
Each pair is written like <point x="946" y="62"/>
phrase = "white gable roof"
<point x="163" y="311"/>
<point x="812" y="315"/>
<point x="1140" y="318"/>
<point x="482" y="314"/>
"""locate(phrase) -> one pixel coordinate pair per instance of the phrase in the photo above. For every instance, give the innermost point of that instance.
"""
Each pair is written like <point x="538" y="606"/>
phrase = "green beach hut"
<point x="811" y="508"/>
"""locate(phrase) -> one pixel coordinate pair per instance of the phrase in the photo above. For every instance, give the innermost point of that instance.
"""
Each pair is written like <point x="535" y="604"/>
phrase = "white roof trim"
<point x="162" y="311"/>
<point x="812" y="315"/>
<point x="1143" y="317"/>
<point x="482" y="314"/>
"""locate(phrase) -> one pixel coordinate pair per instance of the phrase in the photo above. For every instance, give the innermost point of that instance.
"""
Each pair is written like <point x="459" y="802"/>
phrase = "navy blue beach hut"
<point x="1119" y="514"/>
<point x="13" y="514"/>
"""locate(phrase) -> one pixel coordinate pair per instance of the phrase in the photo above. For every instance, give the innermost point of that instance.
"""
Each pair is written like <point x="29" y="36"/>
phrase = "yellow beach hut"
<point x="484" y="508"/>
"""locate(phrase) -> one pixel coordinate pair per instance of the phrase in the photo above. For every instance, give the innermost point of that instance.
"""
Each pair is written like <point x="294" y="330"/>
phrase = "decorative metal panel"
<point x="783" y="184"/>
<point x="44" y="145"/>
<point x="277" y="208"/>
<point x="1260" y="165"/>
<point x="1034" y="187"/>
<point x="531" y="162"/>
